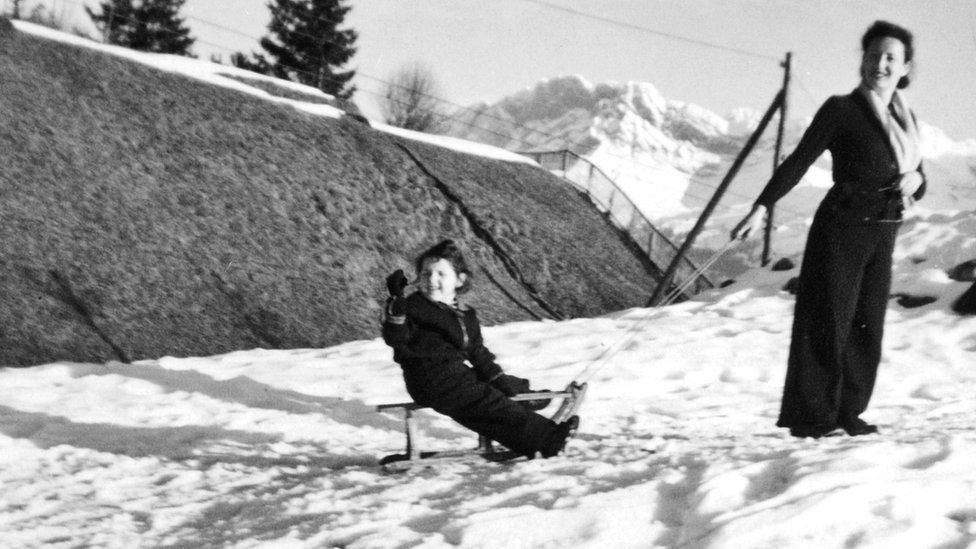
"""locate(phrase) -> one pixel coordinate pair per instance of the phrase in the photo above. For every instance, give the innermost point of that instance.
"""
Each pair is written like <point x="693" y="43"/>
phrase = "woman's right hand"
<point x="751" y="224"/>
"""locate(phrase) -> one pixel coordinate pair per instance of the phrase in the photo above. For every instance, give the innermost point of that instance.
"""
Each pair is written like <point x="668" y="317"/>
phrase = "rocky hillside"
<point x="148" y="214"/>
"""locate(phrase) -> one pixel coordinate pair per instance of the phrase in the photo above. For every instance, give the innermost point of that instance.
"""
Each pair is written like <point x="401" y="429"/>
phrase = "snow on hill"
<point x="237" y="79"/>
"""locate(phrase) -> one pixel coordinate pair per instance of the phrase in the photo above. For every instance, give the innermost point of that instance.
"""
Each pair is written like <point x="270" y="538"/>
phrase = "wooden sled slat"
<point x="572" y="399"/>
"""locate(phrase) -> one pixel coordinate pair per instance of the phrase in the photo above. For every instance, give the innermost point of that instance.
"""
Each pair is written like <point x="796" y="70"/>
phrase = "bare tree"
<point x="52" y="18"/>
<point x="411" y="100"/>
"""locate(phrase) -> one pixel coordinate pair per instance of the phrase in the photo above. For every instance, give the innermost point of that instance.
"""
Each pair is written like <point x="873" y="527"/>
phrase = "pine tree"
<point x="146" y="25"/>
<point x="305" y="45"/>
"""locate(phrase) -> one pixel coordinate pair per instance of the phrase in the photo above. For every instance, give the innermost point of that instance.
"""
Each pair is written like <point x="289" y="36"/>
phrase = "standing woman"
<point x="845" y="277"/>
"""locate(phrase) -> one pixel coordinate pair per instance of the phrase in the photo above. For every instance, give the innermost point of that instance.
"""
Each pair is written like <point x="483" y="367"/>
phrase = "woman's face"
<point x="439" y="281"/>
<point x="883" y="64"/>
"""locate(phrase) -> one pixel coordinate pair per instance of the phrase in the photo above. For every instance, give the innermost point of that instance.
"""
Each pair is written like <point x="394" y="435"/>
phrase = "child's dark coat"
<point x="431" y="342"/>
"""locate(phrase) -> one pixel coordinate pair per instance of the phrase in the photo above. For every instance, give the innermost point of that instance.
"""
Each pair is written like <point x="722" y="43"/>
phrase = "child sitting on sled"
<point x="434" y="338"/>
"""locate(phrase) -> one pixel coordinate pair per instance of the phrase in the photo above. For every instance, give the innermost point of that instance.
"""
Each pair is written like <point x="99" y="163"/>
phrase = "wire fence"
<point x="622" y="211"/>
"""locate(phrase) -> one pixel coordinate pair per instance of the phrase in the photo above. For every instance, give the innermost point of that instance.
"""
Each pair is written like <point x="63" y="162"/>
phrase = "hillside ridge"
<point x="149" y="214"/>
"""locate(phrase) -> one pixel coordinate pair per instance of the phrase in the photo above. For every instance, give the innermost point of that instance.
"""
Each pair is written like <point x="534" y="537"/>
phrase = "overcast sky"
<point x="721" y="54"/>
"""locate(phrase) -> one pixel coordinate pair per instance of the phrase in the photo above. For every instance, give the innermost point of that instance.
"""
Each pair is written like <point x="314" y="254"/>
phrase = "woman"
<point x="845" y="277"/>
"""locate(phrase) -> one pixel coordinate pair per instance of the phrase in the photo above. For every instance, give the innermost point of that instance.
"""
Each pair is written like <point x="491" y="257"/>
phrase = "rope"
<point x="694" y="276"/>
<point x="601" y="360"/>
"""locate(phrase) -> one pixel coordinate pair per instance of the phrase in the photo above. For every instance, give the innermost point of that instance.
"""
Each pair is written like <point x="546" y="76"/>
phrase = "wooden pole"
<point x="778" y="155"/>
<point x="713" y="202"/>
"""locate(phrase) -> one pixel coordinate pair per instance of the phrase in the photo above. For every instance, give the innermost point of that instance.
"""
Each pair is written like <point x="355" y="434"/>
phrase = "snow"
<point x="460" y="145"/>
<point x="220" y="75"/>
<point x="677" y="447"/>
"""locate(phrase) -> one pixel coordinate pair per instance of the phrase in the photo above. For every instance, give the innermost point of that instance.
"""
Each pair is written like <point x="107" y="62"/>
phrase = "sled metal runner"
<point x="572" y="398"/>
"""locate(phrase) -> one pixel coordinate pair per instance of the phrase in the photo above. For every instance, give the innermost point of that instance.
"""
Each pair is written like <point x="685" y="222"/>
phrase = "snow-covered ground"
<point x="677" y="446"/>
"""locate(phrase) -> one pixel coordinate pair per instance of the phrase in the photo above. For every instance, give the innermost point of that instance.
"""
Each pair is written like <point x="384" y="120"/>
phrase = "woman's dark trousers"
<point x="838" y="322"/>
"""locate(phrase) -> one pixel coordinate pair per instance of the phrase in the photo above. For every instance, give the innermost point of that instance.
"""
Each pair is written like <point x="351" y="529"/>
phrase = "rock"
<point x="784" y="264"/>
<point x="963" y="272"/>
<point x="966" y="304"/>
<point x="792" y="286"/>
<point x="910" y="301"/>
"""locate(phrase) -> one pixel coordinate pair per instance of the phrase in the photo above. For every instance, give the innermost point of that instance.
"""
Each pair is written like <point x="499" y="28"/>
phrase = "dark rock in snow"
<point x="909" y="301"/>
<point x="784" y="264"/>
<point x="963" y="272"/>
<point x="966" y="304"/>
<point x="792" y="285"/>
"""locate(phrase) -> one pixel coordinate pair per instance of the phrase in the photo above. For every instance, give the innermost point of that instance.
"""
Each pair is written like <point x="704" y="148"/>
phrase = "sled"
<point x="413" y="457"/>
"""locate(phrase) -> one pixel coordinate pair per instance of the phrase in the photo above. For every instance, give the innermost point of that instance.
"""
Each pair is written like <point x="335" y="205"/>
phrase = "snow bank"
<point x="677" y="446"/>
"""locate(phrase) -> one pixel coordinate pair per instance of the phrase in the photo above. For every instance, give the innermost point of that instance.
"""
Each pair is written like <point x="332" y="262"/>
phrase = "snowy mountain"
<point x="633" y="131"/>
<point x="669" y="156"/>
<point x="630" y="131"/>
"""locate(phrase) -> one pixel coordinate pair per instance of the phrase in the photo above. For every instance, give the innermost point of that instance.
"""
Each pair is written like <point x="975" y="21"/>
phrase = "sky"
<point x="677" y="445"/>
<point x="721" y="54"/>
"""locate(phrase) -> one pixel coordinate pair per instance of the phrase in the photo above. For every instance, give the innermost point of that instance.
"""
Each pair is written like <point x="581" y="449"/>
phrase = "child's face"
<point x="439" y="281"/>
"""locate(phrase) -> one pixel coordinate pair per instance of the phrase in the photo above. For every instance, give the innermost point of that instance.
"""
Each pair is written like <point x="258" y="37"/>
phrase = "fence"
<point x="621" y="210"/>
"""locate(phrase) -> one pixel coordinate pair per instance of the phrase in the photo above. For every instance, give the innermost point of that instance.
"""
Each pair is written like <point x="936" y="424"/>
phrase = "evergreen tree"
<point x="305" y="45"/>
<point x="146" y="25"/>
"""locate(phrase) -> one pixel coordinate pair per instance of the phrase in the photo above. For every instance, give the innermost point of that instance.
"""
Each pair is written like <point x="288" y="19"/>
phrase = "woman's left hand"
<point x="910" y="183"/>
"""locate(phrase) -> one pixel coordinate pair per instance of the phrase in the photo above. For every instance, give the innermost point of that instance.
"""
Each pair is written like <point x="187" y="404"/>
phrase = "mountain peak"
<point x="570" y="112"/>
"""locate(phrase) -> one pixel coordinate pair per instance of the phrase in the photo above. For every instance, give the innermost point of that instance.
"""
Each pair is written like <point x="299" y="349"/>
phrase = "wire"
<point x="799" y="82"/>
<point x="656" y="32"/>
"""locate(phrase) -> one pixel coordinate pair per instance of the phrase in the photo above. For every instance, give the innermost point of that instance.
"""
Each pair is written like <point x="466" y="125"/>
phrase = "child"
<point x="433" y="337"/>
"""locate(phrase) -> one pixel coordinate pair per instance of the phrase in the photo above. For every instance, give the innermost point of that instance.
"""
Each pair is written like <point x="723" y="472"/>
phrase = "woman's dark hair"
<point x="449" y="251"/>
<point x="884" y="29"/>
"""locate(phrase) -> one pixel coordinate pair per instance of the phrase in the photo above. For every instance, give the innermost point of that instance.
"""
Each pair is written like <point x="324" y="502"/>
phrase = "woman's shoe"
<point x="812" y="431"/>
<point x="856" y="427"/>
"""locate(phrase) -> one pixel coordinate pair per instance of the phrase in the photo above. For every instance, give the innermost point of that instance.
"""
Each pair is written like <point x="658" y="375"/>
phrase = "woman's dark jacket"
<point x="432" y="343"/>
<point x="865" y="168"/>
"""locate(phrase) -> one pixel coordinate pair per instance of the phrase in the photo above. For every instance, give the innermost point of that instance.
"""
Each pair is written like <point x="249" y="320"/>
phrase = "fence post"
<point x="778" y="155"/>
<point x="713" y="202"/>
